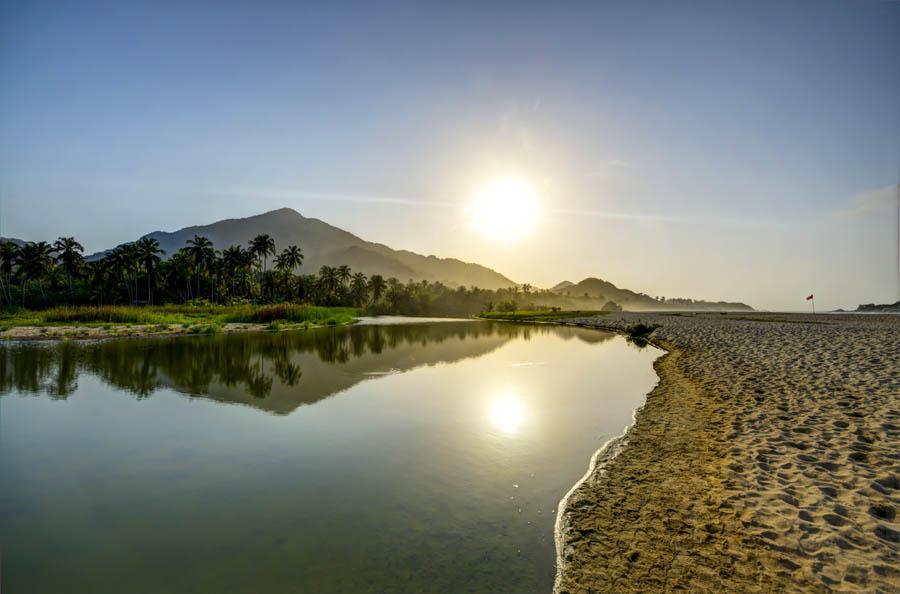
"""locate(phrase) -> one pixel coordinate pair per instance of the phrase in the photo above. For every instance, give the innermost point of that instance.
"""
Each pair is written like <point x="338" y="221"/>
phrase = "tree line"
<point x="38" y="275"/>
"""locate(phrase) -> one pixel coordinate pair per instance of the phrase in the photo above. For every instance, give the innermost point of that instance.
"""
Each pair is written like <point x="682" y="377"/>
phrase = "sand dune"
<point x="766" y="460"/>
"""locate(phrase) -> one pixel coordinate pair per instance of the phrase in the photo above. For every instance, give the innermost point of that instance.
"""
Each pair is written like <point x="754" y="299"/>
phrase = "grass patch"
<point x="542" y="315"/>
<point x="293" y="313"/>
<point x="110" y="314"/>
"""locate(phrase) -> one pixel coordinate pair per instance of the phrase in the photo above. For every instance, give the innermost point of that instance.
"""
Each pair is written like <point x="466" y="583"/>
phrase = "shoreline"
<point x="597" y="467"/>
<point x="763" y="460"/>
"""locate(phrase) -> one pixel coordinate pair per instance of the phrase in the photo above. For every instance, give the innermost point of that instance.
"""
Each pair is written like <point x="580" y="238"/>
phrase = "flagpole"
<point x="814" y="305"/>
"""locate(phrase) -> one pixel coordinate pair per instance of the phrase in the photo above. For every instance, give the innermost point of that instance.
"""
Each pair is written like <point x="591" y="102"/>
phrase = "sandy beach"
<point x="767" y="459"/>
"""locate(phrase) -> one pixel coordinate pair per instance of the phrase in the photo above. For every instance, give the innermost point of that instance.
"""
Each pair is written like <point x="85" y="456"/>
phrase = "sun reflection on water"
<point x="507" y="412"/>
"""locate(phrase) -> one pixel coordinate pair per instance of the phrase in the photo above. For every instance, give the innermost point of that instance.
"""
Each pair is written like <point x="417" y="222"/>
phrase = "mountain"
<point x="324" y="244"/>
<point x="16" y="241"/>
<point x="598" y="288"/>
<point x="561" y="287"/>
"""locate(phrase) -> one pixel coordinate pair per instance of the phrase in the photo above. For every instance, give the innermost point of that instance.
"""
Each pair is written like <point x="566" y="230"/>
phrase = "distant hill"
<point x="324" y="244"/>
<point x="599" y="288"/>
<point x="18" y="242"/>
<point x="882" y="308"/>
<point x="561" y="287"/>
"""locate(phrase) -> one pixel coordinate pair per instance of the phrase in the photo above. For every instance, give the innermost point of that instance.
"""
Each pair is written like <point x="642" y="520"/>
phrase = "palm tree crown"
<point x="262" y="246"/>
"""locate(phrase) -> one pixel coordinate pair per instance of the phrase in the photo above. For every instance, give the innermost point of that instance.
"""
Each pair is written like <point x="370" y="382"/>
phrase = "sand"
<point x="767" y="459"/>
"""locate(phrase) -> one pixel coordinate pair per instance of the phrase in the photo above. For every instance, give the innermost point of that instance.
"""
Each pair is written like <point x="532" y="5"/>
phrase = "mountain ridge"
<point x="595" y="287"/>
<point x="325" y="244"/>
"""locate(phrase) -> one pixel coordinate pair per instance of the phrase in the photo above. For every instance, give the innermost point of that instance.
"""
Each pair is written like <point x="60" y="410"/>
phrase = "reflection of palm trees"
<point x="259" y="385"/>
<point x="288" y="372"/>
<point x="252" y="367"/>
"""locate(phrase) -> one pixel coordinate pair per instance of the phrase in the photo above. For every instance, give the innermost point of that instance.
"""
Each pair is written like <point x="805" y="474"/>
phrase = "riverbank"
<point x="764" y="460"/>
<point x="117" y="321"/>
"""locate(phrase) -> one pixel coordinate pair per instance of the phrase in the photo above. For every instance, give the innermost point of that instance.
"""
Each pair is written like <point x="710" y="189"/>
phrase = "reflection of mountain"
<point x="271" y="372"/>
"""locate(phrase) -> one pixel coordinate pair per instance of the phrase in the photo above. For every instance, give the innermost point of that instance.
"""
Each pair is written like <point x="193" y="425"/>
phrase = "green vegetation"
<point x="208" y="318"/>
<point x="291" y="312"/>
<point x="198" y="280"/>
<point x="639" y="332"/>
<point x="541" y="315"/>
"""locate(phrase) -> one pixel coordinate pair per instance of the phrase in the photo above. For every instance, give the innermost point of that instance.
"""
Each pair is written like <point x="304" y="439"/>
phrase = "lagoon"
<point x="389" y="457"/>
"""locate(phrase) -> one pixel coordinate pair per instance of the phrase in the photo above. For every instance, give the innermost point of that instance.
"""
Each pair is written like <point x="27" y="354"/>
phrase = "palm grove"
<point x="39" y="275"/>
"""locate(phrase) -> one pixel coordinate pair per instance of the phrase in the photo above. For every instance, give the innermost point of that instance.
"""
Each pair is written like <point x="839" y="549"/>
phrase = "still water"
<point x="422" y="457"/>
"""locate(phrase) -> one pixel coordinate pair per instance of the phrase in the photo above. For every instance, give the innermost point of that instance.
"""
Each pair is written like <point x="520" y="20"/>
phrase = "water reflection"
<point x="436" y="470"/>
<point x="507" y="411"/>
<point x="275" y="372"/>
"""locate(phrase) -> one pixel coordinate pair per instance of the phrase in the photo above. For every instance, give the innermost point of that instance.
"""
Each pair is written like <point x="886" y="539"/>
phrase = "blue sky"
<point x="706" y="149"/>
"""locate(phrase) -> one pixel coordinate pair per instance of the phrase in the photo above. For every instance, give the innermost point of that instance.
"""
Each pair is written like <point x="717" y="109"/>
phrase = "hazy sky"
<point x="706" y="149"/>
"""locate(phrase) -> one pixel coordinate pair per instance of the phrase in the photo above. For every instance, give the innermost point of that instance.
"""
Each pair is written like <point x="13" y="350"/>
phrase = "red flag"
<point x="810" y="297"/>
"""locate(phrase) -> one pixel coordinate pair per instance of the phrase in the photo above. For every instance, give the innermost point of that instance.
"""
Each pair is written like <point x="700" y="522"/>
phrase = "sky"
<point x="717" y="150"/>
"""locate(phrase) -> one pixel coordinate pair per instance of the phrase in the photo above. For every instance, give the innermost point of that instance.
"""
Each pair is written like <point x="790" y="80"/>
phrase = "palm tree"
<point x="35" y="262"/>
<point x="328" y="280"/>
<point x="179" y="270"/>
<point x="202" y="254"/>
<point x="293" y="257"/>
<point x="262" y="246"/>
<point x="123" y="260"/>
<point x="283" y="272"/>
<point x="97" y="270"/>
<point x="216" y="271"/>
<point x="68" y="253"/>
<point x="343" y="275"/>
<point x="359" y="290"/>
<point x="377" y="285"/>
<point x="149" y="252"/>
<point x="246" y="269"/>
<point x="233" y="259"/>
<point x="9" y="256"/>
<point x="396" y="294"/>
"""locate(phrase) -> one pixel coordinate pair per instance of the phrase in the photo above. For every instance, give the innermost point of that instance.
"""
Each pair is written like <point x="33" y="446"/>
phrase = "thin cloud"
<point x="652" y="218"/>
<point x="281" y="194"/>
<point x="606" y="166"/>
<point x="869" y="202"/>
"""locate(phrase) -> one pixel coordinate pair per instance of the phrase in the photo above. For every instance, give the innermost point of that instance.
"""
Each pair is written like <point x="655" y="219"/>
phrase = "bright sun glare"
<point x="507" y="413"/>
<point x="504" y="209"/>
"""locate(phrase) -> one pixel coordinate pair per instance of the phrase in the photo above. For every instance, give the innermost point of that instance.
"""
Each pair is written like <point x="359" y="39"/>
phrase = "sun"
<point x="504" y="209"/>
